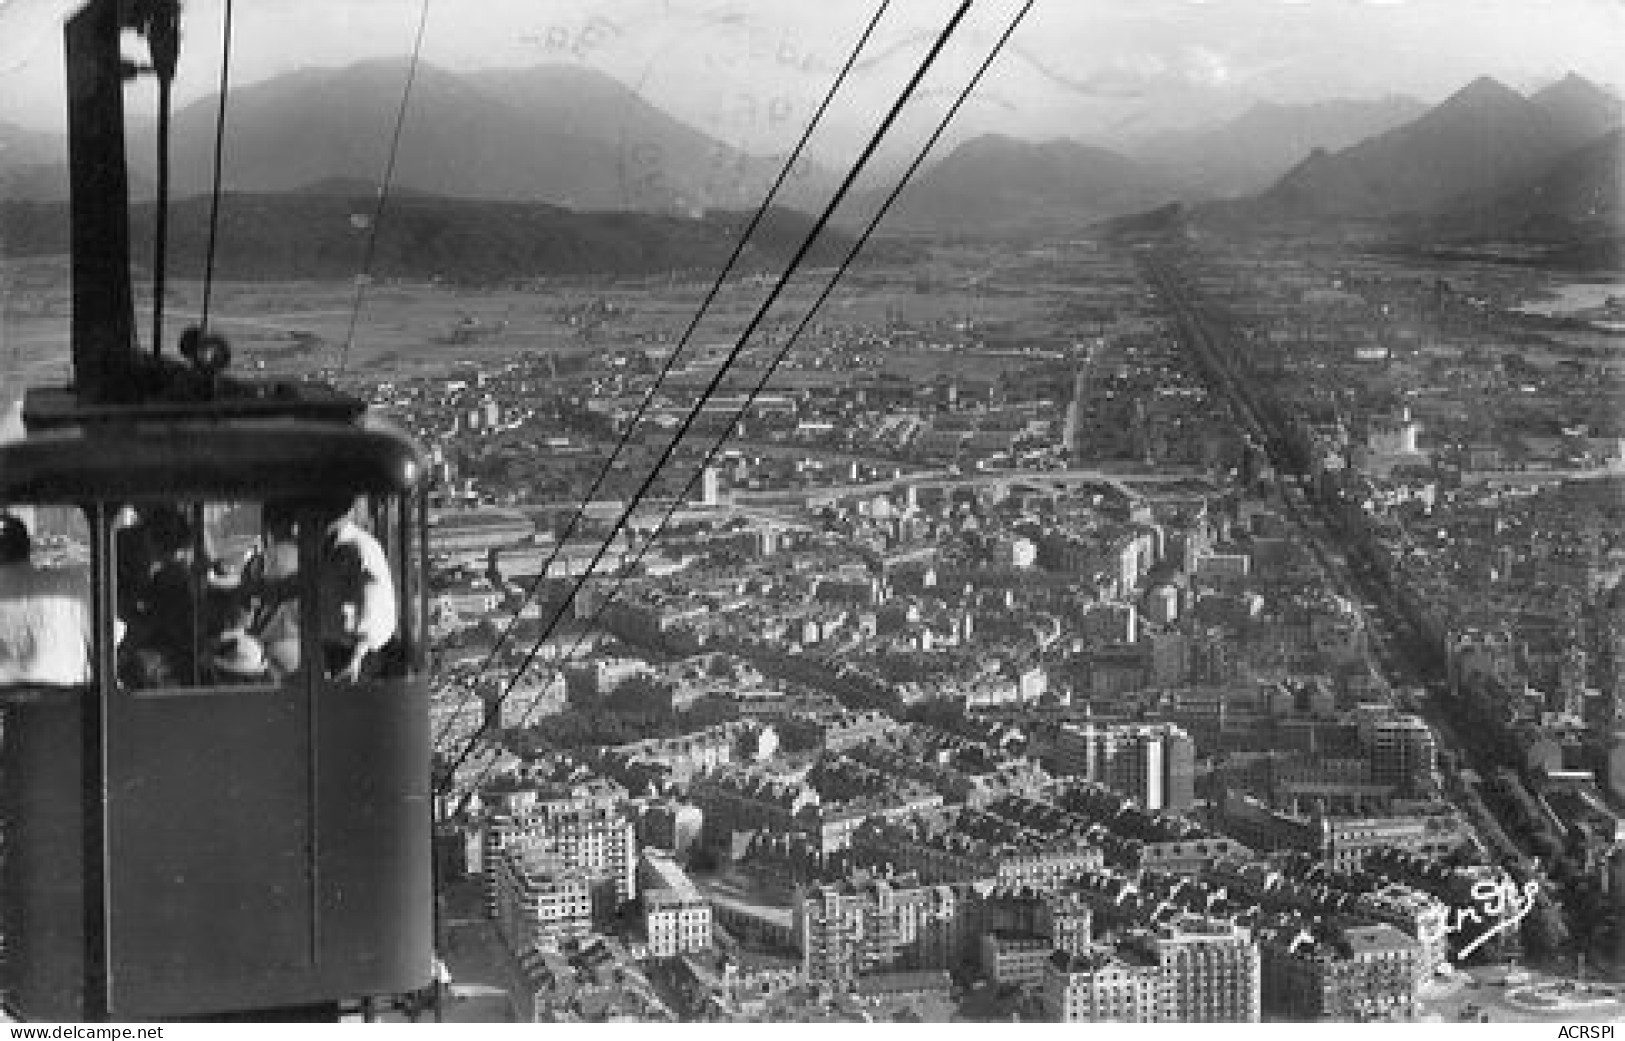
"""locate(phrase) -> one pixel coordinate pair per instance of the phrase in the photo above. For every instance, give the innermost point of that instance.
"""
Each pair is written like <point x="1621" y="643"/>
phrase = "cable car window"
<point x="46" y="629"/>
<point x="207" y="595"/>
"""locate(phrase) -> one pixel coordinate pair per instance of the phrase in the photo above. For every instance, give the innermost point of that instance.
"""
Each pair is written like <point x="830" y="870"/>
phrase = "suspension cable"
<point x="219" y="156"/>
<point x="722" y="371"/>
<point x="853" y="251"/>
<point x="670" y="363"/>
<point x="383" y="189"/>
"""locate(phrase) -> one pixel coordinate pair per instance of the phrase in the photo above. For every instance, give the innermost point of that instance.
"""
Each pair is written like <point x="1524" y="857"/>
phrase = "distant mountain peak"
<point x="994" y="142"/>
<point x="1573" y="91"/>
<point x="995" y="181"/>
<point x="1580" y="109"/>
<point x="546" y="133"/>
<point x="1251" y="150"/>
<point x="1485" y="90"/>
<point x="1572" y="82"/>
<point x="1480" y="143"/>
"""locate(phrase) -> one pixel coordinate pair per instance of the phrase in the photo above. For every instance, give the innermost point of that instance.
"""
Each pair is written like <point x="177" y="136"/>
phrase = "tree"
<point x="1544" y="929"/>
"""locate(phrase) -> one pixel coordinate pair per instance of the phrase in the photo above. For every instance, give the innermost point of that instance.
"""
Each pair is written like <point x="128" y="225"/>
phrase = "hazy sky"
<point x="750" y="71"/>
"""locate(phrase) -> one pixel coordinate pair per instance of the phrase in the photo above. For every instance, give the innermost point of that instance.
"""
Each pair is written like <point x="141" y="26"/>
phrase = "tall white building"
<point x="581" y="831"/>
<point x="1210" y="971"/>
<point x="711" y="486"/>
<point x="1153" y="763"/>
<point x="1097" y="985"/>
<point x="538" y="904"/>
<point x="676" y="915"/>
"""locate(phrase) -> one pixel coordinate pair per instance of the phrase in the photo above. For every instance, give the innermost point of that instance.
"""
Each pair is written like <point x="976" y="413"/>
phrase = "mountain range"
<point x="554" y="133"/>
<point x="1485" y="168"/>
<point x="995" y="183"/>
<point x="1579" y="196"/>
<point x="1484" y="139"/>
<point x="558" y="134"/>
<point x="1248" y="153"/>
<point x="1486" y="161"/>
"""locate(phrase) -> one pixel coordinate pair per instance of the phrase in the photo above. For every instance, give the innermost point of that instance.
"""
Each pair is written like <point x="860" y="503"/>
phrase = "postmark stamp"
<point x="723" y="121"/>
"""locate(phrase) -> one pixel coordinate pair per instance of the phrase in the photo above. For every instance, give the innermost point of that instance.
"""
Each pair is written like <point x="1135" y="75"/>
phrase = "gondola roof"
<point x="251" y="448"/>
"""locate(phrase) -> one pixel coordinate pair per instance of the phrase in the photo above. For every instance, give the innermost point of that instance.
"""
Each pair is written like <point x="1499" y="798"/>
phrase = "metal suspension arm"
<point x="103" y="325"/>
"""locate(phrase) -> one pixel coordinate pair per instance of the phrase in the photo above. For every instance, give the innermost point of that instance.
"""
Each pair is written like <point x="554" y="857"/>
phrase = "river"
<point x="1573" y="297"/>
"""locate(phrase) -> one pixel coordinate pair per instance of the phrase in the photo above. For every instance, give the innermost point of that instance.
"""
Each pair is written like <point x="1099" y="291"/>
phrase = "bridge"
<point x="1000" y="482"/>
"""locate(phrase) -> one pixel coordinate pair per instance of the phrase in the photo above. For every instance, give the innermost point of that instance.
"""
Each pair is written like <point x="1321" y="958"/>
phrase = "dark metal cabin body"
<point x="218" y="850"/>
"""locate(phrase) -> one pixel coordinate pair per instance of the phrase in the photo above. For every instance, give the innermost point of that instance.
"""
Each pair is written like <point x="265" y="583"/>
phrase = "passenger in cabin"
<point x="45" y="615"/>
<point x="156" y="599"/>
<point x="357" y="593"/>
<point x="270" y="590"/>
<point x="239" y="658"/>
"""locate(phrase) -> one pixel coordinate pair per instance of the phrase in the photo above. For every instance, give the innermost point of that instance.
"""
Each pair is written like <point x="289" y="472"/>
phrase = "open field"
<point x="424" y="329"/>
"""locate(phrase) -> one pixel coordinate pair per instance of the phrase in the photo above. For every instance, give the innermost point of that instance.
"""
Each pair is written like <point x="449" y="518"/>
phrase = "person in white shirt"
<point x="45" y="616"/>
<point x="357" y="592"/>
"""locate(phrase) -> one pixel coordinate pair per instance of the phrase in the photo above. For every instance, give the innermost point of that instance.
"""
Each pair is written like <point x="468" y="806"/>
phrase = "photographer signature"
<point x="1499" y="904"/>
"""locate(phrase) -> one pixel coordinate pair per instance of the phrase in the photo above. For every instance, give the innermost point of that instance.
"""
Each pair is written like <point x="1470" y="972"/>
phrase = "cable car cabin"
<point x="216" y="730"/>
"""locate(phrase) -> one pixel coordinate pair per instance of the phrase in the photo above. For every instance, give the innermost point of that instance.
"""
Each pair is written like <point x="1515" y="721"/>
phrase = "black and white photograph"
<point x="890" y="512"/>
